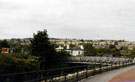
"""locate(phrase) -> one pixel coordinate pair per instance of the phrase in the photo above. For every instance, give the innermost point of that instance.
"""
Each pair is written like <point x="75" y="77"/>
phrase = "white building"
<point x="74" y="51"/>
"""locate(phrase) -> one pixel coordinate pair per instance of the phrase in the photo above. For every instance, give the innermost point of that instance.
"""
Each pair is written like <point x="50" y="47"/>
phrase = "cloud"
<point x="90" y="19"/>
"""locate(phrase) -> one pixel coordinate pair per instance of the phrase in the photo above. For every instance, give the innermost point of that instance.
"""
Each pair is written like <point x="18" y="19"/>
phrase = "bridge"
<point x="97" y="60"/>
<point x="71" y="74"/>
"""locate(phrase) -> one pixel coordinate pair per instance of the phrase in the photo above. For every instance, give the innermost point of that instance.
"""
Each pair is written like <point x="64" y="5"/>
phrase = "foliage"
<point x="10" y="63"/>
<point x="112" y="46"/>
<point x="19" y="48"/>
<point x="82" y="40"/>
<point x="61" y="56"/>
<point x="4" y="44"/>
<point x="117" y="54"/>
<point x="43" y="49"/>
<point x="46" y="53"/>
<point x="72" y="45"/>
<point x="107" y="51"/>
<point x="124" y="48"/>
<point x="89" y="50"/>
<point x="132" y="54"/>
<point x="58" y="60"/>
<point x="103" y="50"/>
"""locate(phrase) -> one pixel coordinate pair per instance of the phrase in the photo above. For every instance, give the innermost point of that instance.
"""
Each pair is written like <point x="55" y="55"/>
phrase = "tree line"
<point x="41" y="55"/>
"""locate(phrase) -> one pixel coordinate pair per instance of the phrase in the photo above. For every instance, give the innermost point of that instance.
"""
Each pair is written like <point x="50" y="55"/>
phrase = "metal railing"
<point x="97" y="59"/>
<point x="69" y="74"/>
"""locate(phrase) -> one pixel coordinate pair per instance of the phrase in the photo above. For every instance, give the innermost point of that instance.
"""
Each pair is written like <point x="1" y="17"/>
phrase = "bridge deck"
<point x="105" y="77"/>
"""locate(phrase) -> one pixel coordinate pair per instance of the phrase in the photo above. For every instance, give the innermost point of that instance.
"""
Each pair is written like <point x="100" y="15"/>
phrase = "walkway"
<point x="128" y="76"/>
<point x="108" y="76"/>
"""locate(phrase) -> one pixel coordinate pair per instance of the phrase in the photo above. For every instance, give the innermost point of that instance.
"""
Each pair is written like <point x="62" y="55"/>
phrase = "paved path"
<point x="107" y="76"/>
<point x="128" y="76"/>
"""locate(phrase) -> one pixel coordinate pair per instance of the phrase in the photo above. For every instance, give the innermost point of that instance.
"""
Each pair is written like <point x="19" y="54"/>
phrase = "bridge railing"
<point x="97" y="59"/>
<point x="69" y="74"/>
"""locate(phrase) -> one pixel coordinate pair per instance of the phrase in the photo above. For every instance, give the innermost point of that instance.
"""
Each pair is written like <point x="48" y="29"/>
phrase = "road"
<point x="107" y="76"/>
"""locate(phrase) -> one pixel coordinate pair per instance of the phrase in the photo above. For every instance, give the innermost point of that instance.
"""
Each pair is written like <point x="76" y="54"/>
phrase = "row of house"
<point x="78" y="49"/>
<point x="95" y="43"/>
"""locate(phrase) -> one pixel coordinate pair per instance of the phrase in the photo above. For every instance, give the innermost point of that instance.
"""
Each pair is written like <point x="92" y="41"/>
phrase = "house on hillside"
<point x="74" y="50"/>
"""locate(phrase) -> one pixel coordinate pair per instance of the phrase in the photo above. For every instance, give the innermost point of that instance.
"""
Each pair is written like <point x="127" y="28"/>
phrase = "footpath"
<point x="126" y="74"/>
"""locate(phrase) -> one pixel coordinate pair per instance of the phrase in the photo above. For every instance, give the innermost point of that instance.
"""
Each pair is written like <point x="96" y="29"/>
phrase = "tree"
<point x="132" y="53"/>
<point x="16" y="46"/>
<point x="124" y="48"/>
<point x="82" y="40"/>
<point x="43" y="49"/>
<point x="60" y="59"/>
<point x="11" y="63"/>
<point x="89" y="50"/>
<point x="4" y="44"/>
<point x="112" y="46"/>
<point x="115" y="43"/>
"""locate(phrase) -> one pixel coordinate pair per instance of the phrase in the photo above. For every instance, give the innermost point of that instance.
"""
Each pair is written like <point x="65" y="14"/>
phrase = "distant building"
<point x="74" y="51"/>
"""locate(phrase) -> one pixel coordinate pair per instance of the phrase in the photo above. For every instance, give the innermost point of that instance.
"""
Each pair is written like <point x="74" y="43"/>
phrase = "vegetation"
<point x="4" y="44"/>
<point x="89" y="50"/>
<point x="45" y="51"/>
<point x="41" y="54"/>
<point x="60" y="59"/>
<point x="131" y="54"/>
<point x="13" y="63"/>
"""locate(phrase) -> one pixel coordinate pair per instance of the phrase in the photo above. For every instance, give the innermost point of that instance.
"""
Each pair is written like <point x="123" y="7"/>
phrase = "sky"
<point x="80" y="19"/>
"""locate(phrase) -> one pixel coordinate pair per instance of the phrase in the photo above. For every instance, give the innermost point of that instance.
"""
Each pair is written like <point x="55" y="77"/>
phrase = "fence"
<point x="69" y="74"/>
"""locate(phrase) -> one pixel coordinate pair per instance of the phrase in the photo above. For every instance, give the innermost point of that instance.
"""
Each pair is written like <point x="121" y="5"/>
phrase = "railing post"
<point x="111" y="66"/>
<point x="100" y="68"/>
<point x="123" y="63"/>
<point x="93" y="69"/>
<point x="119" y="64"/>
<point x="46" y="76"/>
<point x="132" y="63"/>
<point x="128" y="63"/>
<point x="116" y="65"/>
<point x="106" y="67"/>
<point x="65" y="78"/>
<point x="77" y="76"/>
<point x="86" y="71"/>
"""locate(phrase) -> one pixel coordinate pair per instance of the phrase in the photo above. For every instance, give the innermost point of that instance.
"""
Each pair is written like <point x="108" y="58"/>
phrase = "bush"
<point x="12" y="64"/>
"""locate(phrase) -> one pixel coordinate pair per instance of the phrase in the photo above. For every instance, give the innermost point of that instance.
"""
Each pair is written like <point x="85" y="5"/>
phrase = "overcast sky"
<point x="87" y="19"/>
